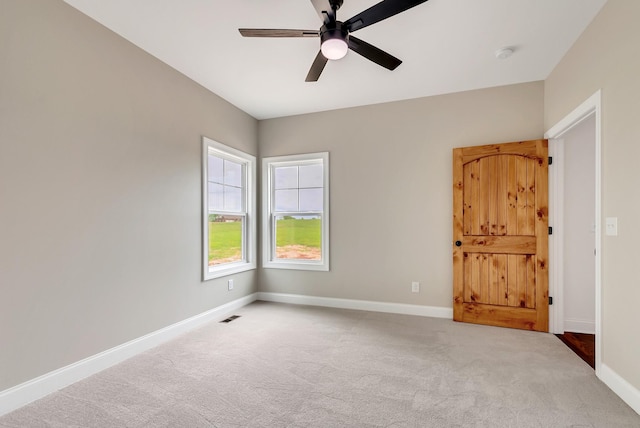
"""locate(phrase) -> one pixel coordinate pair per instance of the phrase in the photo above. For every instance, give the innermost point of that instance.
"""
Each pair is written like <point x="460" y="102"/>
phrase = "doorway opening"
<point x="575" y="246"/>
<point x="583" y="344"/>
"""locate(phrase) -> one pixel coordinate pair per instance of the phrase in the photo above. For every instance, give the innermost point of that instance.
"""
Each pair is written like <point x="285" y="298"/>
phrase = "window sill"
<point x="322" y="267"/>
<point x="229" y="270"/>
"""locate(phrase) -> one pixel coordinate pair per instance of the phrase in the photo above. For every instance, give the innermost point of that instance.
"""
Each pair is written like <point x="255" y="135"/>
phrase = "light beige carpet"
<point x="294" y="366"/>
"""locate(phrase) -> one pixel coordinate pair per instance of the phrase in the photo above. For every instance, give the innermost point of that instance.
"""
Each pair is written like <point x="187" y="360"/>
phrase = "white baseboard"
<point x="580" y="326"/>
<point x="25" y="393"/>
<point x="626" y="391"/>
<point x="362" y="305"/>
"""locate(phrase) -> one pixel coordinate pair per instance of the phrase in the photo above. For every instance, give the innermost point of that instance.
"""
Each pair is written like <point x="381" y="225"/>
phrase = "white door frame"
<point x="591" y="106"/>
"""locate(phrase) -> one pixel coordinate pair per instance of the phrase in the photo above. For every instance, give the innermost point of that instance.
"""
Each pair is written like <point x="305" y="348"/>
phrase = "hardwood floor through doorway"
<point x="584" y="345"/>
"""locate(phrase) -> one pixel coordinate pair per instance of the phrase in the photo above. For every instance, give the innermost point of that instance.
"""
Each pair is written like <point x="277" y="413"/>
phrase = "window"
<point x="228" y="201"/>
<point x="295" y="216"/>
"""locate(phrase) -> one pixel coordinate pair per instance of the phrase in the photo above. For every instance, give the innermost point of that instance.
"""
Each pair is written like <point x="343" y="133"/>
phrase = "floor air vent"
<point x="231" y="318"/>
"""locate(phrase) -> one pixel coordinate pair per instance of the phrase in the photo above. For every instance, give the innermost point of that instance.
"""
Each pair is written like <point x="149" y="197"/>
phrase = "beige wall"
<point x="99" y="190"/>
<point x="391" y="187"/>
<point x="607" y="57"/>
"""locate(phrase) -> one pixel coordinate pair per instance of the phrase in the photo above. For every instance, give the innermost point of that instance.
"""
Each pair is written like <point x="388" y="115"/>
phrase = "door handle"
<point x="458" y="243"/>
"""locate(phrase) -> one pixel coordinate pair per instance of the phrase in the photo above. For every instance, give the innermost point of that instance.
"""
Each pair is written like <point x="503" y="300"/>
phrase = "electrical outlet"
<point x="612" y="226"/>
<point x="415" y="287"/>
<point x="230" y="283"/>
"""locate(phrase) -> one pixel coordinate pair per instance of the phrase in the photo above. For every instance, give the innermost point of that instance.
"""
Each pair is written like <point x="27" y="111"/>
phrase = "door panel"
<point x="500" y="234"/>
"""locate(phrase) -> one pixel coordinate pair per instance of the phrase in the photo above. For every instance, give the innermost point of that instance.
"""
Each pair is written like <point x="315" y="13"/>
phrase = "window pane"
<point x="298" y="237"/>
<point x="225" y="239"/>
<point x="215" y="196"/>
<point x="232" y="199"/>
<point x="310" y="199"/>
<point x="311" y="176"/>
<point x="286" y="200"/>
<point x="215" y="172"/>
<point x="232" y="173"/>
<point x="285" y="177"/>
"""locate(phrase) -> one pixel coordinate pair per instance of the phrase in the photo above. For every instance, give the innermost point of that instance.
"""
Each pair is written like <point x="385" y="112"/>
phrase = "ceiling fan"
<point x="335" y="36"/>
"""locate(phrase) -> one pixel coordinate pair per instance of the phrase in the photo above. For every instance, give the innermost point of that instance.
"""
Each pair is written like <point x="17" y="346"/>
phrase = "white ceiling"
<point x="446" y="46"/>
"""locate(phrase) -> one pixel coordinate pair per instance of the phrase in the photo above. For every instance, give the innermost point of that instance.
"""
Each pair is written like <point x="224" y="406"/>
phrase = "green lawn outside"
<point x="225" y="242"/>
<point x="225" y="239"/>
<point x="299" y="232"/>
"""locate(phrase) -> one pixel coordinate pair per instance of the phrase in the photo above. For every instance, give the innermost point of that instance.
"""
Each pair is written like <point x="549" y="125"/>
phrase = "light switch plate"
<point x="612" y="226"/>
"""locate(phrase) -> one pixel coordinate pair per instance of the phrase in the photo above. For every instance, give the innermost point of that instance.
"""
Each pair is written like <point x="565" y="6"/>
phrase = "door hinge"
<point x="550" y="300"/>
<point x="550" y="160"/>
<point x="550" y="230"/>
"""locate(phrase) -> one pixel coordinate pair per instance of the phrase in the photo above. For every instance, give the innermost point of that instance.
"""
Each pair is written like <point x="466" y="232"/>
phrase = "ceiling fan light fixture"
<point x="333" y="40"/>
<point x="334" y="48"/>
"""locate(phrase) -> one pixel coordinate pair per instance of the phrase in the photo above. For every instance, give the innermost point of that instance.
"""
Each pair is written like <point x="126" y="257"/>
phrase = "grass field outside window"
<point x="298" y="238"/>
<point x="225" y="241"/>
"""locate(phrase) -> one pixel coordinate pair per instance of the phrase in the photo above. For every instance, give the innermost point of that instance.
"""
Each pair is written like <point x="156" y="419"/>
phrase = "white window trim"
<point x="250" y="232"/>
<point x="267" y="220"/>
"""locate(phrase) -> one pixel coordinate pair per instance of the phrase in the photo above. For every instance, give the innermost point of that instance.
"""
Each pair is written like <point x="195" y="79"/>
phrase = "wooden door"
<point x="500" y="235"/>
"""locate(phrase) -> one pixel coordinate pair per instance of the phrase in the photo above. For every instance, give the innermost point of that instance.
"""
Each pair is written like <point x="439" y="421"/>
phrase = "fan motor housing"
<point x="337" y="32"/>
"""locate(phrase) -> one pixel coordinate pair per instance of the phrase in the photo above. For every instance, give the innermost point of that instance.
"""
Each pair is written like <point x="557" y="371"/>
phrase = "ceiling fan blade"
<point x="316" y="68"/>
<point x="325" y="11"/>
<point x="374" y="54"/>
<point x="380" y="11"/>
<point x="264" y="32"/>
